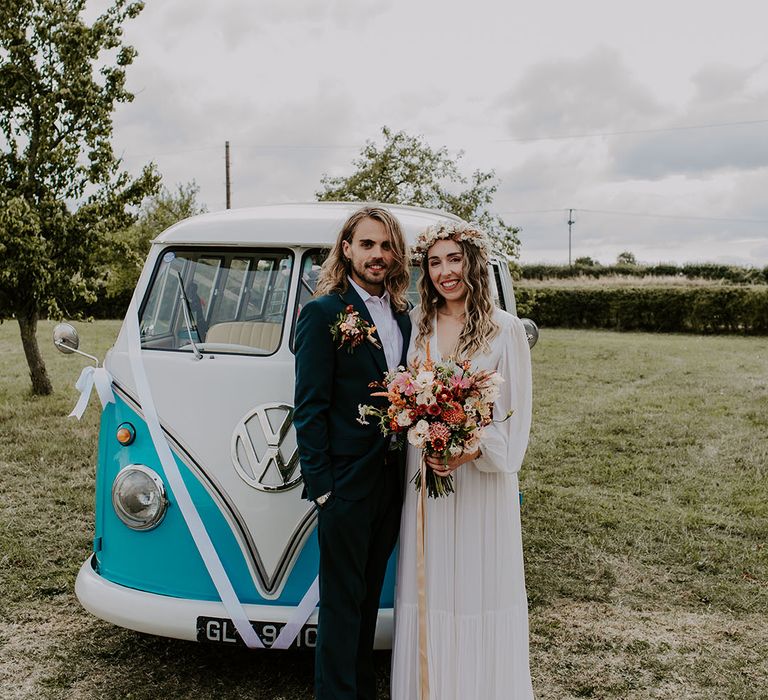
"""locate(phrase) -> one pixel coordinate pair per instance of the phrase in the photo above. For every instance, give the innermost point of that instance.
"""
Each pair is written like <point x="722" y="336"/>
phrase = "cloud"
<point x="236" y="23"/>
<point x="278" y="151"/>
<point x="695" y="152"/>
<point x="724" y="95"/>
<point x="593" y="93"/>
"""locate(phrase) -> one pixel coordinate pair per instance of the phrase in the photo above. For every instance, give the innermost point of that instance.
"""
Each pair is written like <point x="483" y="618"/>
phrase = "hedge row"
<point x="108" y="306"/>
<point x="710" y="271"/>
<point x="664" y="309"/>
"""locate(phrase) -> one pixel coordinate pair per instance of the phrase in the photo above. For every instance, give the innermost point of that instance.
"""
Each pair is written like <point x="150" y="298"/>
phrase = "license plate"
<point x="221" y="630"/>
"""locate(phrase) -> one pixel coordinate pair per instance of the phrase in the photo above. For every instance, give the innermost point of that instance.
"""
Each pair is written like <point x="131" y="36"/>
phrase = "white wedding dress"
<point x="477" y="614"/>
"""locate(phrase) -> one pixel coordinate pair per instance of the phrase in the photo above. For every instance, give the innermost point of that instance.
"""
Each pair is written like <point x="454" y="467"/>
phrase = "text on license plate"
<point x="220" y="630"/>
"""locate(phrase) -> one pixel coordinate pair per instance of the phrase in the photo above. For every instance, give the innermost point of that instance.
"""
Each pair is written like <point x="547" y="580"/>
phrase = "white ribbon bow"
<point x="88" y="377"/>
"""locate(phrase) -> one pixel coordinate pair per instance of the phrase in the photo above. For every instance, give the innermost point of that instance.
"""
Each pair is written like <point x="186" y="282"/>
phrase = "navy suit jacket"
<point x="337" y="453"/>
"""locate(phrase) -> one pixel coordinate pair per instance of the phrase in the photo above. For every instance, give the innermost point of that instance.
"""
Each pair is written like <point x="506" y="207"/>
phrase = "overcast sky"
<point x="649" y="119"/>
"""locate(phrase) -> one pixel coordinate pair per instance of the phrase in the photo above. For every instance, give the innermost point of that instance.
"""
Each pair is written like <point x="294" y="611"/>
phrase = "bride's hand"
<point x="443" y="467"/>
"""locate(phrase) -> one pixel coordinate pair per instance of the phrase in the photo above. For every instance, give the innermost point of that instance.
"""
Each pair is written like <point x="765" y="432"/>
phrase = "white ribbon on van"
<point x="300" y="616"/>
<point x="187" y="507"/>
<point x="90" y="377"/>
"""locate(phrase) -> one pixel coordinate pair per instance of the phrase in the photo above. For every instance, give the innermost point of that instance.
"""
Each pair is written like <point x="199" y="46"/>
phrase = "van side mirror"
<point x="65" y="338"/>
<point x="531" y="331"/>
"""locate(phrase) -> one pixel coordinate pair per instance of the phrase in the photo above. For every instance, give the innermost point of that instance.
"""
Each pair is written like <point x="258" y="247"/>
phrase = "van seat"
<point x="254" y="334"/>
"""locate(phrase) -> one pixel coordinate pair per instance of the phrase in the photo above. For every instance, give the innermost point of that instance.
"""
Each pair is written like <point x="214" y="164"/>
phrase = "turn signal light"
<point x="126" y="434"/>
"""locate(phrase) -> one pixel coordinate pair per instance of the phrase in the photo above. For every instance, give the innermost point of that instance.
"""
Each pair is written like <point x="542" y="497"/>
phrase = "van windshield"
<point x="221" y="300"/>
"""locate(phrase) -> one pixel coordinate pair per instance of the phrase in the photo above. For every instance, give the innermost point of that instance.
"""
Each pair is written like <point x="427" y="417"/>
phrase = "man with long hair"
<point x="355" y="329"/>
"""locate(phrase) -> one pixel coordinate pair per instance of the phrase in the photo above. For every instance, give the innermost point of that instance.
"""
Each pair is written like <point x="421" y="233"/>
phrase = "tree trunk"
<point x="41" y="384"/>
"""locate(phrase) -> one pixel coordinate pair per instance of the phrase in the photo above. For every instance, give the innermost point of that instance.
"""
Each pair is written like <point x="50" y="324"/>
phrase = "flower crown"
<point x="455" y="230"/>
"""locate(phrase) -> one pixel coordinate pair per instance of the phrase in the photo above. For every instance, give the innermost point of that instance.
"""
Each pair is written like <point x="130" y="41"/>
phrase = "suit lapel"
<point x="352" y="297"/>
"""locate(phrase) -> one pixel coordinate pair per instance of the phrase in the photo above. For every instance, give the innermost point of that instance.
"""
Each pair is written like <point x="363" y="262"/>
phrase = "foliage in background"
<point x="61" y="187"/>
<point x="659" y="309"/>
<point x="586" y="267"/>
<point x="626" y="258"/>
<point x="406" y="170"/>
<point x="128" y="248"/>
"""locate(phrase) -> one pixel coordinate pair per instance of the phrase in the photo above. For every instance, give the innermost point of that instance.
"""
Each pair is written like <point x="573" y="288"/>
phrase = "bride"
<point x="477" y="616"/>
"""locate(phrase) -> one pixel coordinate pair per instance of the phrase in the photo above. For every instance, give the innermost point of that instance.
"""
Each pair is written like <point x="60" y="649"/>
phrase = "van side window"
<point x="235" y="301"/>
<point x="496" y="286"/>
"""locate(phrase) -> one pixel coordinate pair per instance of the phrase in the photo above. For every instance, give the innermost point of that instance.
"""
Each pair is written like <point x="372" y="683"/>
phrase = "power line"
<point x="612" y="212"/>
<point x="674" y="216"/>
<point x="632" y="131"/>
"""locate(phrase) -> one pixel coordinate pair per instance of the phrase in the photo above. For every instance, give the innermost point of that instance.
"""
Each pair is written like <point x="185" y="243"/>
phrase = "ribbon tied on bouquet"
<point x="90" y="377"/>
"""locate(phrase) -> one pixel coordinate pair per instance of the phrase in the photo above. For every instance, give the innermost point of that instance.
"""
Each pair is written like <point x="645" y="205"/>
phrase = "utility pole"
<point x="571" y="222"/>
<point x="226" y="166"/>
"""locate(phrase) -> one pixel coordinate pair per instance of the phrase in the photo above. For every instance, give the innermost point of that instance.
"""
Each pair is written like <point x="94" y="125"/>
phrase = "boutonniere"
<point x="351" y="330"/>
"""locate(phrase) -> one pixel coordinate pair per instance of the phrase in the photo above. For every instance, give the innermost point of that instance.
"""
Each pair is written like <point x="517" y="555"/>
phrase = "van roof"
<point x="310" y="223"/>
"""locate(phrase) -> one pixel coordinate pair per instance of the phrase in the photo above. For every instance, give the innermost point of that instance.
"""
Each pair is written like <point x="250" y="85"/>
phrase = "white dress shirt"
<point x="386" y="325"/>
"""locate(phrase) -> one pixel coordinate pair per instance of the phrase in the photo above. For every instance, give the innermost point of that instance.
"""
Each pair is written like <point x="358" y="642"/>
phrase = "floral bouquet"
<point x="442" y="408"/>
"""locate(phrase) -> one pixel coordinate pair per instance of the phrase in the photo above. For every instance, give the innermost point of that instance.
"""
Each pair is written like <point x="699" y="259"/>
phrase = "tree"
<point x="405" y="170"/>
<point x="586" y="261"/>
<point x="626" y="258"/>
<point x="130" y="246"/>
<point x="61" y="187"/>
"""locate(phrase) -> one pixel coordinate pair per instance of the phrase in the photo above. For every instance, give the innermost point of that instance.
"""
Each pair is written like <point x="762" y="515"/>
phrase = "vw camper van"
<point x="205" y="355"/>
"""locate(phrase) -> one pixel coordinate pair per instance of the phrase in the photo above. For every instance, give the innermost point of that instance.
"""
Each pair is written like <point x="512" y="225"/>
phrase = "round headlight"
<point x="138" y="497"/>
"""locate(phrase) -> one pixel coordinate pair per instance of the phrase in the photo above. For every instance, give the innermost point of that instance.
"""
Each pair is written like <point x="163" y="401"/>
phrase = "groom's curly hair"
<point x="336" y="268"/>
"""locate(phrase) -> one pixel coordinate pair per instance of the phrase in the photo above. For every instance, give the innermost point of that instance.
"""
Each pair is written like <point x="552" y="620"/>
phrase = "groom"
<point x="349" y="469"/>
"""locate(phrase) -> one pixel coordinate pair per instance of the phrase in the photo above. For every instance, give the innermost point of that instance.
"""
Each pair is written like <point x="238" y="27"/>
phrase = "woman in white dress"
<point x="477" y="615"/>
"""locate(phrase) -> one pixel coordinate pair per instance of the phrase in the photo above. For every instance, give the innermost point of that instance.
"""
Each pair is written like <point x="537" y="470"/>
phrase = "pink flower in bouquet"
<point x="460" y="382"/>
<point x="403" y="383"/>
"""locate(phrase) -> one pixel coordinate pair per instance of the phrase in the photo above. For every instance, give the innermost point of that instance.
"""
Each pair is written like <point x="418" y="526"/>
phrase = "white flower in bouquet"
<point x="490" y="394"/>
<point x="364" y="412"/>
<point x="419" y="434"/>
<point x="404" y="419"/>
<point x="426" y="397"/>
<point x="425" y="380"/>
<point x="473" y="443"/>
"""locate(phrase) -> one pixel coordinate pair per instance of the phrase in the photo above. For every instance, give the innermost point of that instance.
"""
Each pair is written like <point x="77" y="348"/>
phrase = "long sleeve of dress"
<point x="503" y="444"/>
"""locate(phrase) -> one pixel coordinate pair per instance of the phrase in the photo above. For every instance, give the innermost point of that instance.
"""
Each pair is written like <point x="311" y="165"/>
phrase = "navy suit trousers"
<point x="356" y="539"/>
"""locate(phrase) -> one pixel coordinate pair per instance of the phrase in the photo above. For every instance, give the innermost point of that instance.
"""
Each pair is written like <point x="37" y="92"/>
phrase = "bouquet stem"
<point x="437" y="486"/>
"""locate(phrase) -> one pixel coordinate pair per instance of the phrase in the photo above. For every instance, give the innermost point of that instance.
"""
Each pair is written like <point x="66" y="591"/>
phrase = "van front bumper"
<point x="167" y="616"/>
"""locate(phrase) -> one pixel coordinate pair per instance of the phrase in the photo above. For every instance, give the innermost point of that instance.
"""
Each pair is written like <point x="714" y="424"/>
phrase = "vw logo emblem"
<point x="264" y="449"/>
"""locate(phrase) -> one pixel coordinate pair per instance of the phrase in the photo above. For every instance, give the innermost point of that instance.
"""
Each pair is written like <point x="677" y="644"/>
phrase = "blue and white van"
<point x="217" y="304"/>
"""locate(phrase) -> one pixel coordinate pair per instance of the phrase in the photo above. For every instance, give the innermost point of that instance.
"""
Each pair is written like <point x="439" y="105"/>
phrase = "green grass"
<point x="644" y="523"/>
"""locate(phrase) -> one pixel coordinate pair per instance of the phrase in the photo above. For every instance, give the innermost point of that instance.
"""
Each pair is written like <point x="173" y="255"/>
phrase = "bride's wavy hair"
<point x="336" y="268"/>
<point x="479" y="326"/>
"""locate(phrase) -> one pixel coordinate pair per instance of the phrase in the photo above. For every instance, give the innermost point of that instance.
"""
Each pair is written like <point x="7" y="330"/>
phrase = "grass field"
<point x="645" y="520"/>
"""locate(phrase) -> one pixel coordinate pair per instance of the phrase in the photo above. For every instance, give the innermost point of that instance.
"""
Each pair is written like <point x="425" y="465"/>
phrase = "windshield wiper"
<point x="187" y="309"/>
